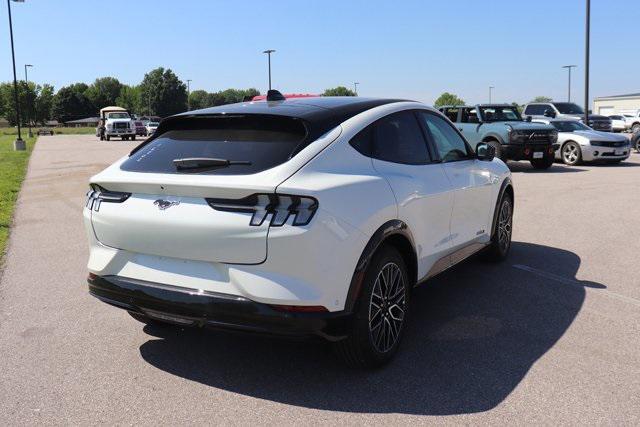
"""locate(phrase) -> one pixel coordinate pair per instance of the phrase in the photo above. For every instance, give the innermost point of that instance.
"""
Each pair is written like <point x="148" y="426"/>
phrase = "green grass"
<point x="13" y="166"/>
<point x="56" y="131"/>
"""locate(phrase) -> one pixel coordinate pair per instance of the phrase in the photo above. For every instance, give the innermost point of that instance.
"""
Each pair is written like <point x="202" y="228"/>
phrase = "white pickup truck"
<point x="632" y="117"/>
<point x="115" y="122"/>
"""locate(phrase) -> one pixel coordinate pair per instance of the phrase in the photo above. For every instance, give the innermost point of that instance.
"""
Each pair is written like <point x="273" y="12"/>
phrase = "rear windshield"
<point x="259" y="142"/>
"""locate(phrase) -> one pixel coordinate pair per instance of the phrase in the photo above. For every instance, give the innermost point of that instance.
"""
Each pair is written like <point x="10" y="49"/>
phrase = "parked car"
<point x="619" y="123"/>
<point x="633" y="120"/>
<point x="151" y="127"/>
<point x="635" y="141"/>
<point x="304" y="217"/>
<point x="502" y="127"/>
<point x="141" y="129"/>
<point x="566" y="110"/>
<point x="578" y="143"/>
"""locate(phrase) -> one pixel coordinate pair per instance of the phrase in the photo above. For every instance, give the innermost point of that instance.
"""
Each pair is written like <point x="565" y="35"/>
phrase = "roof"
<point x="629" y="95"/>
<point x="474" y="106"/>
<point x="321" y="114"/>
<point x="287" y="95"/>
<point x="86" y="120"/>
<point x="112" y="108"/>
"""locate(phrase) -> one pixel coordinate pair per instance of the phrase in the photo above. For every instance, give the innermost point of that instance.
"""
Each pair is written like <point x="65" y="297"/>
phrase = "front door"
<point x="471" y="181"/>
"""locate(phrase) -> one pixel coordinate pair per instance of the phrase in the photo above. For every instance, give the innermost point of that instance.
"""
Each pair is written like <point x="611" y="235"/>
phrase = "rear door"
<point x="147" y="204"/>
<point x="420" y="185"/>
<point x="469" y="125"/>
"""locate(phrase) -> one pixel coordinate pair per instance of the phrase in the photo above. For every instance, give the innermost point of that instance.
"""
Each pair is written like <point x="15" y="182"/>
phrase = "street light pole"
<point x="355" y="87"/>
<point x="569" y="67"/>
<point x="188" y="92"/>
<point x="269" y="52"/>
<point x="29" y="106"/>
<point x="18" y="144"/>
<point x="490" y="88"/>
<point x="586" y="62"/>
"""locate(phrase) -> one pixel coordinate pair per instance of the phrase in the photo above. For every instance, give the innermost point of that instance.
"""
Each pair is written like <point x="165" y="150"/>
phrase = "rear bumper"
<point x="189" y="307"/>
<point x="525" y="151"/>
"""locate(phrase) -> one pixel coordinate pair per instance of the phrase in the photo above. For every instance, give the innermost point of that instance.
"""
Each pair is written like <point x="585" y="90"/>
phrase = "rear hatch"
<point x="152" y="203"/>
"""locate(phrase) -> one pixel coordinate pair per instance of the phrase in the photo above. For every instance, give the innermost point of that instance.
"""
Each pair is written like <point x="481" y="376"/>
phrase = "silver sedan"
<point x="578" y="143"/>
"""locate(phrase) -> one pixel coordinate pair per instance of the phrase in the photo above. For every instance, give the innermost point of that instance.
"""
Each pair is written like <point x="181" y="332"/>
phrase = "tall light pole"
<point x="490" y="89"/>
<point x="29" y="106"/>
<point x="569" y="67"/>
<point x="188" y="92"/>
<point x="18" y="144"/>
<point x="269" y="52"/>
<point x="355" y="87"/>
<point x="586" y="63"/>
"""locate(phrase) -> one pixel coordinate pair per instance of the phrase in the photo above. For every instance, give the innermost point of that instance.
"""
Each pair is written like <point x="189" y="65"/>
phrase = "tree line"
<point x="161" y="93"/>
<point x="452" y="99"/>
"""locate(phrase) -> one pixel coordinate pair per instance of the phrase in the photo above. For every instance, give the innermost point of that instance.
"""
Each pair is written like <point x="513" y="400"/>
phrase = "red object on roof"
<point x="287" y="96"/>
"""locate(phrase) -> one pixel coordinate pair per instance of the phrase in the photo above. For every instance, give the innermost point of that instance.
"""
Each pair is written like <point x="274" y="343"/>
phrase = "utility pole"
<point x="18" y="144"/>
<point x="29" y="106"/>
<point x="355" y="87"/>
<point x="269" y="52"/>
<point x="490" y="88"/>
<point x="188" y="92"/>
<point x="586" y="63"/>
<point x="569" y="67"/>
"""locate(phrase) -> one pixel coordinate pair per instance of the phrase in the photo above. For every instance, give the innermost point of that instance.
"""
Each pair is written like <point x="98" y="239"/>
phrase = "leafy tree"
<point x="199" y="99"/>
<point x="26" y="99"/>
<point x="71" y="104"/>
<point x="129" y="98"/>
<point x="448" y="99"/>
<point x="103" y="92"/>
<point x="44" y="101"/>
<point x="542" y="99"/>
<point x="339" y="91"/>
<point x="163" y="93"/>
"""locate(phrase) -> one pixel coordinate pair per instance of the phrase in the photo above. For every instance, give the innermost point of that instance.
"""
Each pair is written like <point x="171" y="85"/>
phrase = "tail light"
<point x="279" y="206"/>
<point x="96" y="195"/>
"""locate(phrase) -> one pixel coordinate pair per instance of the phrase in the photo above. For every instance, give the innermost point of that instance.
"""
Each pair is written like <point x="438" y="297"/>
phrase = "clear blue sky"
<point x="409" y="49"/>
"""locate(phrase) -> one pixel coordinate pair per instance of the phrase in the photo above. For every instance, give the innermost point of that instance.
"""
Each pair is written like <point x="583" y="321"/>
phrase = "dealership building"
<point x="607" y="105"/>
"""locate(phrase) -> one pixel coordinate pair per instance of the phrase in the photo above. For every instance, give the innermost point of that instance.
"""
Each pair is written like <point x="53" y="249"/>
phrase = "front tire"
<point x="571" y="154"/>
<point x="544" y="163"/>
<point x="500" y="245"/>
<point x="635" y="128"/>
<point x="380" y="314"/>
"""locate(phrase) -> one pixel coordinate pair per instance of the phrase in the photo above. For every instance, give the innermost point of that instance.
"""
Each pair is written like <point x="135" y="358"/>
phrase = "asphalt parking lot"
<point x="550" y="336"/>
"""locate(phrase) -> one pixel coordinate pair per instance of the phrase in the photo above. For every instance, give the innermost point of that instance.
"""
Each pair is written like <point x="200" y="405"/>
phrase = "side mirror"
<point x="549" y="113"/>
<point x="485" y="152"/>
<point x="528" y="118"/>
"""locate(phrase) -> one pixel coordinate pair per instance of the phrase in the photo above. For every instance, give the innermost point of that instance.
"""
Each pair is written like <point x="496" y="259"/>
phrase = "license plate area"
<point x="538" y="154"/>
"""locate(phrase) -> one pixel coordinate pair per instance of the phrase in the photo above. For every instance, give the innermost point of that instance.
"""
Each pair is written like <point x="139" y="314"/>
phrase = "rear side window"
<point x="398" y="138"/>
<point x="395" y="138"/>
<point x="257" y="142"/>
<point x="536" y="109"/>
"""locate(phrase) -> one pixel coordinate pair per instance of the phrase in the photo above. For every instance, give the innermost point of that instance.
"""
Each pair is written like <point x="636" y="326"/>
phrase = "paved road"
<point x="551" y="336"/>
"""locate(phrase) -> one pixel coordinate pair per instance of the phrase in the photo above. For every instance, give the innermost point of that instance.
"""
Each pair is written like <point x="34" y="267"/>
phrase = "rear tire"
<point x="635" y="128"/>
<point x="380" y="314"/>
<point x="133" y="138"/>
<point x="108" y="138"/>
<point x="544" y="163"/>
<point x="500" y="245"/>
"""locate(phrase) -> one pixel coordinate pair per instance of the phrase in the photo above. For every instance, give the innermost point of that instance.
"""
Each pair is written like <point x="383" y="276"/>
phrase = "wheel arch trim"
<point x="506" y="185"/>
<point x="386" y="231"/>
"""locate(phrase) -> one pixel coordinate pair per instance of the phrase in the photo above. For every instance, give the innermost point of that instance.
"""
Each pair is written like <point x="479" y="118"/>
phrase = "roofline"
<point x="614" y="97"/>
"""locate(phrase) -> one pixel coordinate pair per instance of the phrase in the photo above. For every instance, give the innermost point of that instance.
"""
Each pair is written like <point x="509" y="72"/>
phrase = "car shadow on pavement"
<point x="555" y="168"/>
<point x="475" y="331"/>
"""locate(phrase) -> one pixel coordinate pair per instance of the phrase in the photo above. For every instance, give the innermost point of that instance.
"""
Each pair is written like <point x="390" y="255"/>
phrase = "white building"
<point x="607" y="105"/>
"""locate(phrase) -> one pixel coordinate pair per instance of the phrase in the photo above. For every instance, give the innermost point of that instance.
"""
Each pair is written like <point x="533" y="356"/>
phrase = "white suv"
<point x="301" y="217"/>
